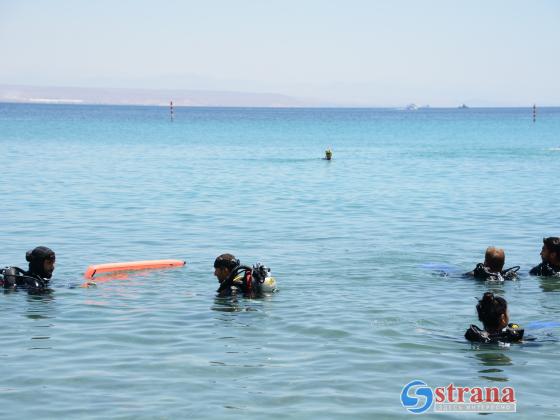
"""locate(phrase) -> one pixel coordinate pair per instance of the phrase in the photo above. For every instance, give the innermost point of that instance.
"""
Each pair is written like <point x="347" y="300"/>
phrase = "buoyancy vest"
<point x="544" y="269"/>
<point x="483" y="273"/>
<point x="510" y="334"/>
<point x="11" y="277"/>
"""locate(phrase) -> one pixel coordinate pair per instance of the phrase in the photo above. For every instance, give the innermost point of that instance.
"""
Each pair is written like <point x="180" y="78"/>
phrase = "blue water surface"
<point x="355" y="244"/>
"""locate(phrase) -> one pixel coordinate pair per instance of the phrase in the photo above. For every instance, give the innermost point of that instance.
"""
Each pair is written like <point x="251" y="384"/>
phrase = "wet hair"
<point x="494" y="259"/>
<point x="226" y="261"/>
<point x="490" y="310"/>
<point x="553" y="244"/>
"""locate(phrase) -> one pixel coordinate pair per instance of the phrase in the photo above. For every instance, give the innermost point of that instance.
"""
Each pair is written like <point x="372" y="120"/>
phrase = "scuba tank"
<point x="10" y="277"/>
<point x="251" y="280"/>
<point x="265" y="281"/>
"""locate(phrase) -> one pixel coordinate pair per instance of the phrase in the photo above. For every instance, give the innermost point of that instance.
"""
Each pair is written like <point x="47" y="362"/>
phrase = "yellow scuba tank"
<point x="268" y="285"/>
<point x="265" y="282"/>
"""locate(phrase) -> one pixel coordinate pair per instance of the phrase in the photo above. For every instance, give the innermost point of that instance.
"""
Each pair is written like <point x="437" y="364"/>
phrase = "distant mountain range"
<point x="119" y="96"/>
<point x="187" y="97"/>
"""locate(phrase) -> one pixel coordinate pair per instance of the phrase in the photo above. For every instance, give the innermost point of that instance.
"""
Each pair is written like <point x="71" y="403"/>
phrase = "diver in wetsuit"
<point x="493" y="313"/>
<point x="550" y="255"/>
<point x="36" y="279"/>
<point x="492" y="268"/>
<point x="234" y="277"/>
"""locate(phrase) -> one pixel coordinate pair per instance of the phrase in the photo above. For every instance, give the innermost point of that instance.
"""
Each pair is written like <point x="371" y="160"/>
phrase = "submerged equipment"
<point x="483" y="273"/>
<point x="250" y="280"/>
<point x="92" y="270"/>
<point x="510" y="334"/>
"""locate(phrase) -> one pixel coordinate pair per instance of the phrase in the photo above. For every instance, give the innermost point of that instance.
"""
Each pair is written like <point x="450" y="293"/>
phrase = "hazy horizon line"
<point x="195" y="98"/>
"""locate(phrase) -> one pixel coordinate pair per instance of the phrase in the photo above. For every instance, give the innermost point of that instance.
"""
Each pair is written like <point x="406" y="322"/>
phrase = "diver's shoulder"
<point x="536" y="270"/>
<point x="544" y="269"/>
<point x="475" y="333"/>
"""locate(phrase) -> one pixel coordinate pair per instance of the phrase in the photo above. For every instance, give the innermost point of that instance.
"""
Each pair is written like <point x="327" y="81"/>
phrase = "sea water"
<point x="354" y="243"/>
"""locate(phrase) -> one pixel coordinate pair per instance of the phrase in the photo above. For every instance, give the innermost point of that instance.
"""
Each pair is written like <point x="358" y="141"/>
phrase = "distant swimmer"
<point x="550" y="256"/>
<point x="36" y="278"/>
<point x="328" y="154"/>
<point x="492" y="268"/>
<point x="236" y="278"/>
<point x="493" y="313"/>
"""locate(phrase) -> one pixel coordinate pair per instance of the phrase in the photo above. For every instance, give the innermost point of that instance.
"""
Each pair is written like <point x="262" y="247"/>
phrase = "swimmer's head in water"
<point x="224" y="265"/>
<point x="494" y="259"/>
<point x="41" y="261"/>
<point x="492" y="311"/>
<point x="550" y="252"/>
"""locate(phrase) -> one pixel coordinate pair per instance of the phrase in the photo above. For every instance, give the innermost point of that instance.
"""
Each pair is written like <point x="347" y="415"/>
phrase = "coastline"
<point x="190" y="98"/>
<point x="146" y="97"/>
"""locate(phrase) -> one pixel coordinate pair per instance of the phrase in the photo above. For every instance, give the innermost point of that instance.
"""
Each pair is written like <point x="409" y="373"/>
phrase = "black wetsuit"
<point x="14" y="277"/>
<point x="482" y="272"/>
<point x="510" y="334"/>
<point x="544" y="269"/>
<point x="35" y="283"/>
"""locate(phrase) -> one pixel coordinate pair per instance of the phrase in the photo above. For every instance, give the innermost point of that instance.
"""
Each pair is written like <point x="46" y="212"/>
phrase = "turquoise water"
<point x="356" y="317"/>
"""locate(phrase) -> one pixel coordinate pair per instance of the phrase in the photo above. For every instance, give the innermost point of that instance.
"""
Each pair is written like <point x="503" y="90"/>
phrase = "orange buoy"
<point x="92" y="270"/>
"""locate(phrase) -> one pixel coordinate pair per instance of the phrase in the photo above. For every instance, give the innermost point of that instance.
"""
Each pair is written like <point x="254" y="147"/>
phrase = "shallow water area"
<point x="355" y="245"/>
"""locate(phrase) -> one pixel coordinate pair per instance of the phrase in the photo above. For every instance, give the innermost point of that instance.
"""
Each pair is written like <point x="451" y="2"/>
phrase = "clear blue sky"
<point x="391" y="52"/>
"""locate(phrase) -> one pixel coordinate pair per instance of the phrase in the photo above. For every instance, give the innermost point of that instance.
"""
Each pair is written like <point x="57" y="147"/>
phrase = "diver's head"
<point x="224" y="265"/>
<point x="494" y="259"/>
<point x="492" y="312"/>
<point x="41" y="261"/>
<point x="550" y="252"/>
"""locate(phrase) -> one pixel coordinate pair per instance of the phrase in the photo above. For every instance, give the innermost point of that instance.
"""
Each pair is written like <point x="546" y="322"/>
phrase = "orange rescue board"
<point x="92" y="270"/>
